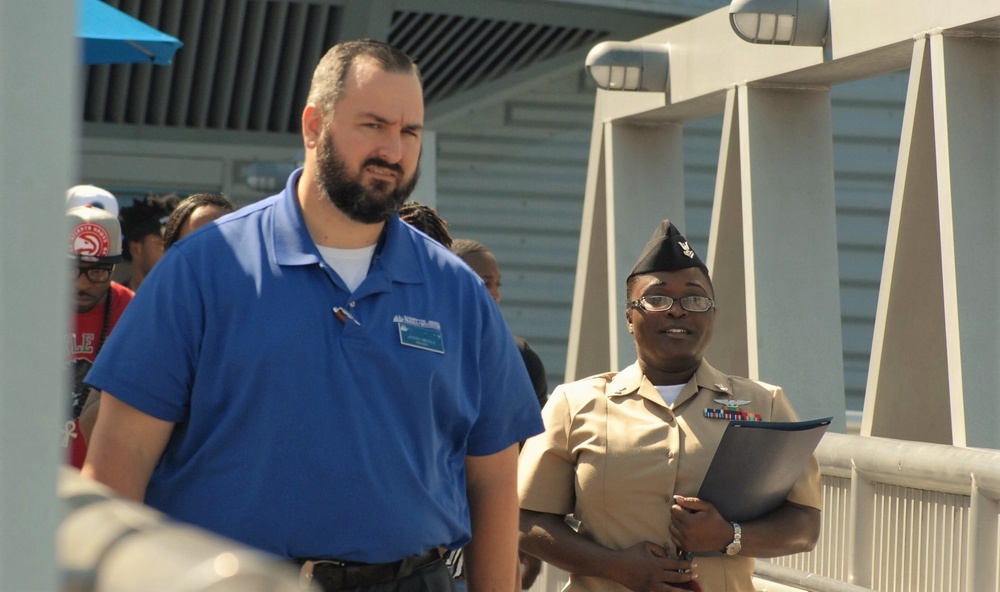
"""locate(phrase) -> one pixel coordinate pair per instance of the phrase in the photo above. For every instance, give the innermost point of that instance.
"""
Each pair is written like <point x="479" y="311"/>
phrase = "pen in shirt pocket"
<point x="343" y="314"/>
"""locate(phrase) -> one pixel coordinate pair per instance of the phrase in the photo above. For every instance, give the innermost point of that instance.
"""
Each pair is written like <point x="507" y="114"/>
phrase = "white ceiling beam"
<point x="686" y="8"/>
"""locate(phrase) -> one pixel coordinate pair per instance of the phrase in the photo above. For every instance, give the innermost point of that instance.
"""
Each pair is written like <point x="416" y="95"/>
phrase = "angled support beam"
<point x="903" y="399"/>
<point x="786" y="223"/>
<point x="622" y="205"/>
<point x="637" y="201"/>
<point x="589" y="348"/>
<point x="726" y="255"/>
<point x="933" y="373"/>
<point x="966" y="93"/>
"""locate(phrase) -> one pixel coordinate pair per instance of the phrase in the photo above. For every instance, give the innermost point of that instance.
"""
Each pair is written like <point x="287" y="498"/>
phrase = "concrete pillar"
<point x="39" y="115"/>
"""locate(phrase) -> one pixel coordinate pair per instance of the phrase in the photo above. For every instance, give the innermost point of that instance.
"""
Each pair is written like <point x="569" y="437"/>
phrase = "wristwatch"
<point x="734" y="547"/>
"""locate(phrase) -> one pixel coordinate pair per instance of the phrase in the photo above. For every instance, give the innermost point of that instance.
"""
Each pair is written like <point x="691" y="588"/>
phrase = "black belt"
<point x="332" y="574"/>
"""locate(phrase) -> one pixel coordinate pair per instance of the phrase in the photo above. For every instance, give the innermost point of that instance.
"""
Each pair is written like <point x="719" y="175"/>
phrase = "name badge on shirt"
<point x="420" y="334"/>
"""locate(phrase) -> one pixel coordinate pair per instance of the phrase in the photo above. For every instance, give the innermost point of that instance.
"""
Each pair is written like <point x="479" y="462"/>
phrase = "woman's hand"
<point x="530" y="566"/>
<point x="646" y="567"/>
<point x="697" y="526"/>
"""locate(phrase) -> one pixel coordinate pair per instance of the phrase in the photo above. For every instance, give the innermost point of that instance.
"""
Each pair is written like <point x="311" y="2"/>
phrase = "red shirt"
<point x="84" y="342"/>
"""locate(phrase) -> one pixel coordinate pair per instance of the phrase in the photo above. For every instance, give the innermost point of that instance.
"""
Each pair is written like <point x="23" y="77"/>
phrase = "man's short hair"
<point x="146" y="217"/>
<point x="330" y="75"/>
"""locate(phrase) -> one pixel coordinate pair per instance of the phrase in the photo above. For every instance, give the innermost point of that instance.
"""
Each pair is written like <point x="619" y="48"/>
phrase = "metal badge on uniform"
<point x="731" y="410"/>
<point x="420" y="334"/>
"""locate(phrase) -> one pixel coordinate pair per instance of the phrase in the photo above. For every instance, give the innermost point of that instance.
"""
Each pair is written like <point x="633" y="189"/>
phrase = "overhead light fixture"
<point x="781" y="22"/>
<point x="623" y="65"/>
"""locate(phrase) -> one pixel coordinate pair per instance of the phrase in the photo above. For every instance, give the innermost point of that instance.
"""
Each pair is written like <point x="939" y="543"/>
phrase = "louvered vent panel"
<point x="246" y="64"/>
<point x="250" y="77"/>
<point x="456" y="53"/>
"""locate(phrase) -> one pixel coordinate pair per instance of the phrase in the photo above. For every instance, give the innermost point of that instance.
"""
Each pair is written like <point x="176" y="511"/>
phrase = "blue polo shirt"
<point x="305" y="432"/>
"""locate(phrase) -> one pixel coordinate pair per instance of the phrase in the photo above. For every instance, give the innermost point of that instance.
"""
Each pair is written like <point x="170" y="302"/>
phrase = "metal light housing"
<point x="624" y="65"/>
<point x="781" y="22"/>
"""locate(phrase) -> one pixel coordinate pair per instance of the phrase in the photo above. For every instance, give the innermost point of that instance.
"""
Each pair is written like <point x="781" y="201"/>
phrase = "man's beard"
<point x="367" y="205"/>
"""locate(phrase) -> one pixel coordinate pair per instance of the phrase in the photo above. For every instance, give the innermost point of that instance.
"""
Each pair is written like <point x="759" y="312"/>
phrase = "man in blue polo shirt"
<point x="329" y="385"/>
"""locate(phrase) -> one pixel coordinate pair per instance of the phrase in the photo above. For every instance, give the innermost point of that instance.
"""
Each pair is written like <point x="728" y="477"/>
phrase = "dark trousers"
<point x="434" y="577"/>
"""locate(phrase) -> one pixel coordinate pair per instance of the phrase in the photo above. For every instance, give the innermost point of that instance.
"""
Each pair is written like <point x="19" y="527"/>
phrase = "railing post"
<point x="981" y="570"/>
<point x="861" y="530"/>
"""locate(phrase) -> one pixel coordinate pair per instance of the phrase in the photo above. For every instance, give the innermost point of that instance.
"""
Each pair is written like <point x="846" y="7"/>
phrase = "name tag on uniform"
<point x="420" y="334"/>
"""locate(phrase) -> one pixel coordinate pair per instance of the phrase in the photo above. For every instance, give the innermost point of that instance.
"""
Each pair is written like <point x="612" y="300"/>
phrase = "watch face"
<point x="734" y="547"/>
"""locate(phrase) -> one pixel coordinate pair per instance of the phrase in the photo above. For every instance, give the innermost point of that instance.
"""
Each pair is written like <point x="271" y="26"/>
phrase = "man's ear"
<point x="312" y="125"/>
<point x="134" y="248"/>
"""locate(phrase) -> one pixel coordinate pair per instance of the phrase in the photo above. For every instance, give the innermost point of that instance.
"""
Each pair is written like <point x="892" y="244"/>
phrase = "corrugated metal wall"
<point x="513" y="176"/>
<point x="867" y="120"/>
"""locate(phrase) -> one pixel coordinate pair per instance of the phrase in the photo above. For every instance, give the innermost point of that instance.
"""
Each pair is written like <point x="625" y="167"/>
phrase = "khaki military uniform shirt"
<point x="613" y="454"/>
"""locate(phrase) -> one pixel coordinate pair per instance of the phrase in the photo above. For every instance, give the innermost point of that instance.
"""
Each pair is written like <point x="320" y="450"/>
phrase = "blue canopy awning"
<point x="111" y="36"/>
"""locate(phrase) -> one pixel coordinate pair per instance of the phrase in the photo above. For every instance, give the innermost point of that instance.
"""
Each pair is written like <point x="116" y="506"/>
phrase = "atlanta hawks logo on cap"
<point x="90" y="240"/>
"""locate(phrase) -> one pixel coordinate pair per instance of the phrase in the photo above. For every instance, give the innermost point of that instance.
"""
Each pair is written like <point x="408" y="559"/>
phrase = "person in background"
<point x="625" y="452"/>
<point x="426" y="219"/>
<point x="190" y="214"/>
<point x="193" y="212"/>
<point x="94" y="246"/>
<point x="142" y="224"/>
<point x="330" y="385"/>
<point x="91" y="195"/>
<point x="477" y="256"/>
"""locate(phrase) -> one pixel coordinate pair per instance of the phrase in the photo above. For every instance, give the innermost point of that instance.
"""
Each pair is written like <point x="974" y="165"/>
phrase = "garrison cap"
<point x="667" y="250"/>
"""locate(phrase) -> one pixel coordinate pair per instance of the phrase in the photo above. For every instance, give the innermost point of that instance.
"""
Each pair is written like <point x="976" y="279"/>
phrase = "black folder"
<point x="757" y="463"/>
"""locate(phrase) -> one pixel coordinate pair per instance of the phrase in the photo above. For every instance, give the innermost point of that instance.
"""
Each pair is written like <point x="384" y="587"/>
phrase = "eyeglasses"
<point x="665" y="303"/>
<point x="96" y="275"/>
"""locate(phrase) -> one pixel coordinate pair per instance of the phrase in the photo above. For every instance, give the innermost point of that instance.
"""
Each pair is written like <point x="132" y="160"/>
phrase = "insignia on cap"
<point x="90" y="240"/>
<point x="687" y="249"/>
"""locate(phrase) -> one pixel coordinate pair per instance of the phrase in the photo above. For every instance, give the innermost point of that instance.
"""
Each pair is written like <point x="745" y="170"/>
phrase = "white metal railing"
<point x="771" y="577"/>
<point x="107" y="544"/>
<point x="898" y="516"/>
<point x="902" y="515"/>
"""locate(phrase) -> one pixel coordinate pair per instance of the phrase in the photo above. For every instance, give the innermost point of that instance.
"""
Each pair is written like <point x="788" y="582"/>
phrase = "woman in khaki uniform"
<point x="625" y="453"/>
